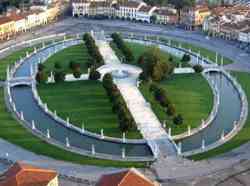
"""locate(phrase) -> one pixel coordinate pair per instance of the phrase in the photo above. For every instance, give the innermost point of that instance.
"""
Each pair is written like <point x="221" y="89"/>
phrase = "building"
<point x="244" y="36"/>
<point x="192" y="17"/>
<point x="166" y="15"/>
<point x="100" y="9"/>
<point x="20" y="22"/>
<point x="80" y="7"/>
<point x="145" y="13"/>
<point x="128" y="10"/>
<point x="21" y="174"/>
<point x="16" y="21"/>
<point x="7" y="27"/>
<point x="52" y="12"/>
<point x="231" y="23"/>
<point x="131" y="177"/>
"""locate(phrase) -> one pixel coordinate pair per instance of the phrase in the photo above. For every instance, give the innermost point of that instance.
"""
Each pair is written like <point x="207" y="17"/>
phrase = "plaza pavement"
<point x="233" y="167"/>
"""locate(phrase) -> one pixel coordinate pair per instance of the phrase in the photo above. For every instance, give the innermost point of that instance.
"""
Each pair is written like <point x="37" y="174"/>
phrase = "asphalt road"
<point x="79" y="25"/>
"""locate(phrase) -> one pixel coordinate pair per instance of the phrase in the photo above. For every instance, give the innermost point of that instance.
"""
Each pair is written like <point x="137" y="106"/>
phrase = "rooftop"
<point x="131" y="177"/>
<point x="145" y="8"/>
<point x="21" y="174"/>
<point x="4" y="20"/>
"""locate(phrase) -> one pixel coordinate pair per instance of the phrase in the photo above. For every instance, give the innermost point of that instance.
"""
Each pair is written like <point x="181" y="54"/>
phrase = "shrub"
<point x="165" y="102"/>
<point x="170" y="59"/>
<point x="117" y="103"/>
<point x="59" y="75"/>
<point x="140" y="60"/>
<point x="126" y="121"/>
<point x="198" y="68"/>
<point x="77" y="73"/>
<point x="171" y="110"/>
<point x="41" y="77"/>
<point x="93" y="50"/>
<point x="121" y="45"/>
<point x="143" y="76"/>
<point x="178" y="120"/>
<point x="41" y="67"/>
<point x="94" y="74"/>
<point x="153" y="87"/>
<point x="58" y="65"/>
<point x="107" y="81"/>
<point x="159" y="94"/>
<point x="74" y="65"/>
<point x="186" y="58"/>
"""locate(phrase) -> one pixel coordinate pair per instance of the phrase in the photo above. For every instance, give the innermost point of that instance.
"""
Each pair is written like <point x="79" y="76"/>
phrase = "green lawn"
<point x="204" y="52"/>
<point x="15" y="56"/>
<point x="191" y="95"/>
<point x="13" y="132"/>
<point x="244" y="135"/>
<point x="11" y="59"/>
<point x="139" y="49"/>
<point x="84" y="101"/>
<point x="77" y="53"/>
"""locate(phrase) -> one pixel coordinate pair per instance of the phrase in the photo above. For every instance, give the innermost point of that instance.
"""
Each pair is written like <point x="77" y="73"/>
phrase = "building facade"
<point x="15" y="21"/>
<point x="194" y="16"/>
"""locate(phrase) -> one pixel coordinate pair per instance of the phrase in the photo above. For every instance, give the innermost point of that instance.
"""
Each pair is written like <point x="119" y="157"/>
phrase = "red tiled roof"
<point x="145" y="9"/>
<point x="126" y="178"/>
<point x="21" y="174"/>
<point x="4" y="20"/>
<point x="16" y="17"/>
<point x="80" y="1"/>
<point x="130" y="4"/>
<point x="165" y="12"/>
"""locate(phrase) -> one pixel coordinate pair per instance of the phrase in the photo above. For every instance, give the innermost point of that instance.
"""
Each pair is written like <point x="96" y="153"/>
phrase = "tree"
<point x="94" y="74"/>
<point x="74" y="65"/>
<point x="155" y="65"/>
<point x="93" y="50"/>
<point x="121" y="45"/>
<point x="77" y="73"/>
<point x="58" y="65"/>
<point x="41" y="67"/>
<point x="153" y="87"/>
<point x="59" y="75"/>
<point x="41" y="77"/>
<point x="178" y="120"/>
<point x="180" y="4"/>
<point x="107" y="81"/>
<point x="186" y="58"/>
<point x="140" y="60"/>
<point x="198" y="68"/>
<point x="170" y="59"/>
<point x="171" y="110"/>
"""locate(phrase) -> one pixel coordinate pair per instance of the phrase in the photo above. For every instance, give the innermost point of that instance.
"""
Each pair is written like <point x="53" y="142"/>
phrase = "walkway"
<point x="146" y="120"/>
<point x="87" y="172"/>
<point x="107" y="53"/>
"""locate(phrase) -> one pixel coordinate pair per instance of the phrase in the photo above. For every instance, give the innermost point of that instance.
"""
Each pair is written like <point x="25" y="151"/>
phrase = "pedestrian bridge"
<point x="20" y="81"/>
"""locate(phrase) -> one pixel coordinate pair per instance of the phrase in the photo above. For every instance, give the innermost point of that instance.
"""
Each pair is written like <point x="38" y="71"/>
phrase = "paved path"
<point x="146" y="120"/>
<point x="107" y="53"/>
<point x="16" y="153"/>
